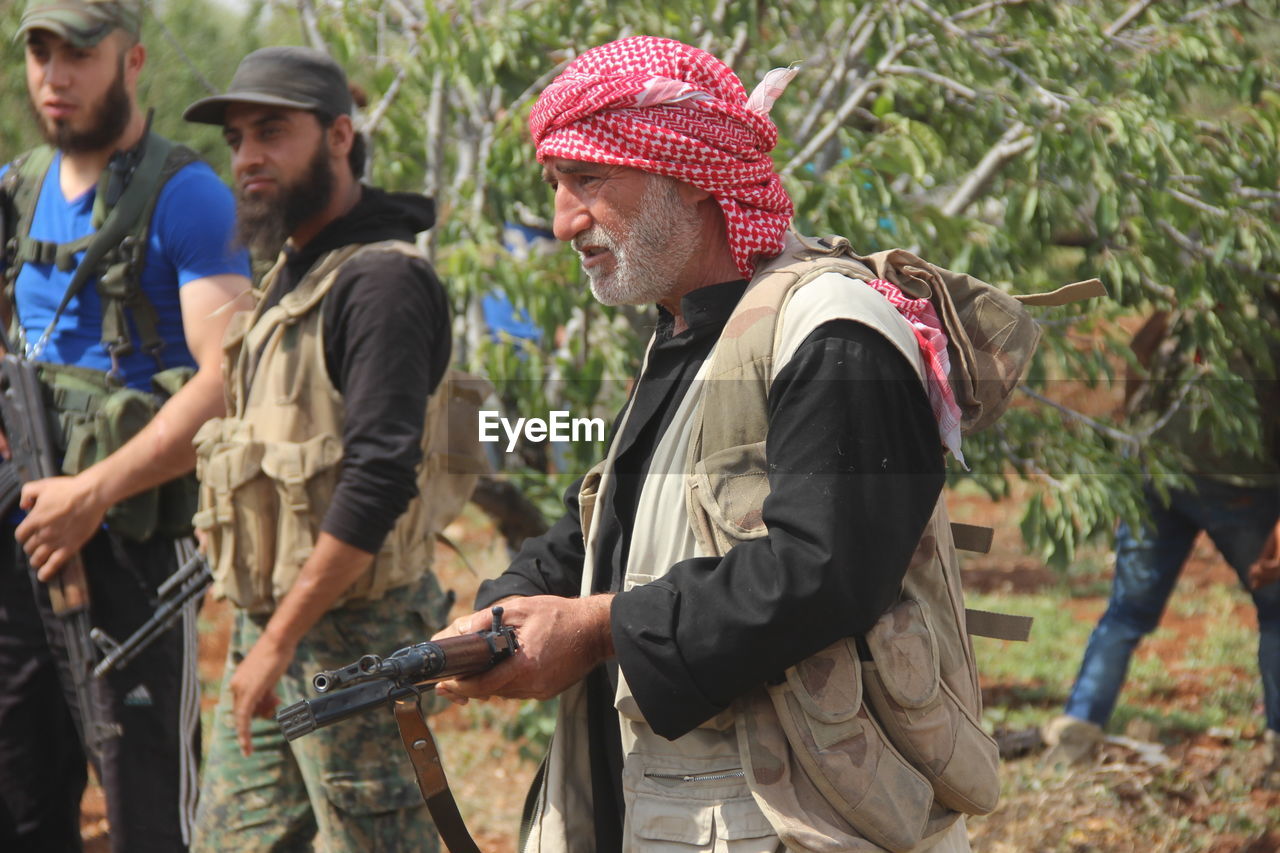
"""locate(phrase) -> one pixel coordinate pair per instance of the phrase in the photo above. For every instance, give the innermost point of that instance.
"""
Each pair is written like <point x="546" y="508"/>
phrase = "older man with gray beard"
<point x="659" y="614"/>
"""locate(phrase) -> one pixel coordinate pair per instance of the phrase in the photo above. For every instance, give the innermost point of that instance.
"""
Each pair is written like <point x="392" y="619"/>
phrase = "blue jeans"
<point x="1148" y="562"/>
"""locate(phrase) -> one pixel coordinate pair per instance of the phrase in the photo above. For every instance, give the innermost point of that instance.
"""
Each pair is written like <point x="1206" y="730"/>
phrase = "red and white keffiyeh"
<point x="665" y="107"/>
<point x="932" y="341"/>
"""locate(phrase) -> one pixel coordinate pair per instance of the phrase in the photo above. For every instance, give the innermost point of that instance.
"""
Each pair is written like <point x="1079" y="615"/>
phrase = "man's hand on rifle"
<point x="63" y="513"/>
<point x="253" y="686"/>
<point x="561" y="640"/>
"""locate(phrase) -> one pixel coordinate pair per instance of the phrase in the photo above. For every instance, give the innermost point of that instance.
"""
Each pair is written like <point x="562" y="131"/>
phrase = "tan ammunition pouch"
<point x="92" y="416"/>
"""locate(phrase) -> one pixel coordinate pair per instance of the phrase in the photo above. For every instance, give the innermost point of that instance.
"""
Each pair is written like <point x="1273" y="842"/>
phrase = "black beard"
<point x="108" y="121"/>
<point x="264" y="223"/>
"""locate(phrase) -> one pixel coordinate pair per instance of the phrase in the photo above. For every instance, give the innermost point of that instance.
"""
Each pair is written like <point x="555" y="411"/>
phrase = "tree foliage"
<point x="1028" y="143"/>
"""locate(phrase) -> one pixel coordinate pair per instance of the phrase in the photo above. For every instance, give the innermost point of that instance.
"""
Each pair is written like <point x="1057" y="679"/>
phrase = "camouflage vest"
<point x="875" y="742"/>
<point x="269" y="469"/>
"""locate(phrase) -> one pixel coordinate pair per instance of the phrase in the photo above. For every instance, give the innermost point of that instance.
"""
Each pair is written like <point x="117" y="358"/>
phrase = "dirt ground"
<point x="1190" y="793"/>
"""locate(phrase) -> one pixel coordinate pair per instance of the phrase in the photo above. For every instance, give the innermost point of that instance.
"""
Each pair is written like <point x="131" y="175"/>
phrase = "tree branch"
<point x="823" y="136"/>
<point x="1071" y="414"/>
<point x="1028" y="466"/>
<point x="974" y="11"/>
<point x="310" y="25"/>
<point x="173" y="41"/>
<point x="1197" y="248"/>
<point x="1206" y="11"/>
<point x="371" y="122"/>
<point x="859" y="33"/>
<point x="933" y="77"/>
<point x="1054" y="101"/>
<point x="731" y="55"/>
<point x="846" y="109"/>
<point x="434" y="144"/>
<point x="1198" y="204"/>
<point x="1127" y="18"/>
<point x="1016" y="140"/>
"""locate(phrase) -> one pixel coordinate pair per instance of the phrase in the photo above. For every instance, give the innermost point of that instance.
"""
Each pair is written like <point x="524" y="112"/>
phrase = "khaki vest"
<point x="853" y="751"/>
<point x="269" y="469"/>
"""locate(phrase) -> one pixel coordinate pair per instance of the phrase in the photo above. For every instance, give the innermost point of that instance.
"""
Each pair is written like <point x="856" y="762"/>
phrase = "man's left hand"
<point x="63" y="513"/>
<point x="561" y="640"/>
<point x="1266" y="569"/>
<point x="253" y="686"/>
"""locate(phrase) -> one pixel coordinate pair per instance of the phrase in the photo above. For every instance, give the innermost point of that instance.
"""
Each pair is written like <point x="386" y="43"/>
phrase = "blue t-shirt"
<point x="191" y="236"/>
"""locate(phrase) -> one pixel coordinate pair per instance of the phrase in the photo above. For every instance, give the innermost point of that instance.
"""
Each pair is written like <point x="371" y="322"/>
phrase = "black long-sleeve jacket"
<point x="386" y="345"/>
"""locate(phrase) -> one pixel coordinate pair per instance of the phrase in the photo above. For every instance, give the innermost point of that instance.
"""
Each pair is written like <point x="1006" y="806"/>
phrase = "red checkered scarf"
<point x="662" y="106"/>
<point x="932" y="341"/>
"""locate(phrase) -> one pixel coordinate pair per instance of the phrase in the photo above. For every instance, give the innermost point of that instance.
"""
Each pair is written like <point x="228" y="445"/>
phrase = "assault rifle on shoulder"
<point x="189" y="581"/>
<point x="396" y="682"/>
<point x="32" y="457"/>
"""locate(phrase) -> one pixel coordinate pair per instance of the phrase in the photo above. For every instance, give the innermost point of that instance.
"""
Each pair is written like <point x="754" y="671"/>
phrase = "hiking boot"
<point x="1271" y="761"/>
<point x="1071" y="740"/>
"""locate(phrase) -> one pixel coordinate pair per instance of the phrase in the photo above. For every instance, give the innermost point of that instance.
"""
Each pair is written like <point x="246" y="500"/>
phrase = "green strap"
<point x="22" y="184"/>
<point x="120" y="285"/>
<point x="28" y="250"/>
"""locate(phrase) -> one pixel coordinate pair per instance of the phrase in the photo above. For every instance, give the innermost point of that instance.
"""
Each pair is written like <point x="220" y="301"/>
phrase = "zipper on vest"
<point x="713" y="776"/>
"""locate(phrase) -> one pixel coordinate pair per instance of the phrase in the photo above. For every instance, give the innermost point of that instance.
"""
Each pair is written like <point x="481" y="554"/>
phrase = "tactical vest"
<point x="873" y="743"/>
<point x="269" y="469"/>
<point x="91" y="413"/>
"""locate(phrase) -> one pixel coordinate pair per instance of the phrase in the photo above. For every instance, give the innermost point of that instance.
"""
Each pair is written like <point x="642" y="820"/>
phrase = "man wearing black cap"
<point x="176" y="285"/>
<point x="317" y="503"/>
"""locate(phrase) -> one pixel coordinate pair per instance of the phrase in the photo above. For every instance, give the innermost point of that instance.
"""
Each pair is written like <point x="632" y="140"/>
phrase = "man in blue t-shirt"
<point x="83" y="59"/>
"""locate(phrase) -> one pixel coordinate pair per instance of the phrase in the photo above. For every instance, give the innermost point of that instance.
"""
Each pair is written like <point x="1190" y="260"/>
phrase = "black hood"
<point x="378" y="216"/>
<point x="381" y="215"/>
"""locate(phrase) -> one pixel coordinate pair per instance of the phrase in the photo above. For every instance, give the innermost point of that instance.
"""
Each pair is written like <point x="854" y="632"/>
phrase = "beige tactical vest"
<point x="847" y="754"/>
<point x="269" y="469"/>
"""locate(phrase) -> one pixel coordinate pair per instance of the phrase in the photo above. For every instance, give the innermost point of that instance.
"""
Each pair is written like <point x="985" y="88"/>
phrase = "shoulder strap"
<point x="19" y="192"/>
<point x="747" y="347"/>
<point x="28" y="176"/>
<point x="120" y="281"/>
<point x="319" y="280"/>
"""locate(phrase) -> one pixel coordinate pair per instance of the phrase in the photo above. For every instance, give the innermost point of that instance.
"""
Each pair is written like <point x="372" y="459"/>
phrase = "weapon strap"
<point x="425" y="757"/>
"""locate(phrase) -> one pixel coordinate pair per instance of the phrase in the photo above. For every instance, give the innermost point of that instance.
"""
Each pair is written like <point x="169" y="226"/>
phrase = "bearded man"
<point x="699" y="629"/>
<point x="176" y="285"/>
<point x="314" y="488"/>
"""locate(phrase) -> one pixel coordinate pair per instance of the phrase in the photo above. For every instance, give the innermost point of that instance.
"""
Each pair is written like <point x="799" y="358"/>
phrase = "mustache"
<point x="595" y="236"/>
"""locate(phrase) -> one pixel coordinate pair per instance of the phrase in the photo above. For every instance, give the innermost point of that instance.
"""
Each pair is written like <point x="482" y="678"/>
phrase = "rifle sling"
<point x="425" y="757"/>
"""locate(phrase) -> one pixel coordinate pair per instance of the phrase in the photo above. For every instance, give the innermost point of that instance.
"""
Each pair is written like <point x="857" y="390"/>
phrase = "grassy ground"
<point x="1176" y="775"/>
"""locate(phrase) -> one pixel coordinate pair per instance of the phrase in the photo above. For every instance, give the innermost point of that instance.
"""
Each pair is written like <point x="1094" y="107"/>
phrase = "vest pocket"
<point x="726" y="491"/>
<point x="921" y="714"/>
<point x="844" y="752"/>
<point x="237" y="514"/>
<point x="303" y="477"/>
<point x="695" y="806"/>
<point x="260" y="503"/>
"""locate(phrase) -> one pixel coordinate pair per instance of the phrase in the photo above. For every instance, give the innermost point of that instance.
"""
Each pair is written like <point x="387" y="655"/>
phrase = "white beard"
<point x="648" y="260"/>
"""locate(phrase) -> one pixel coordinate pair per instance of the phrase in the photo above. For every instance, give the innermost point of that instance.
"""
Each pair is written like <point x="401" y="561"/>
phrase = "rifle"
<point x="397" y="681"/>
<point x="22" y="407"/>
<point x="189" y="581"/>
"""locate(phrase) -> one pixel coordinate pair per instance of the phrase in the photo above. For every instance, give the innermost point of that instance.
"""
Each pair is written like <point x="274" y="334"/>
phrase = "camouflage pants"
<point x="347" y="787"/>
